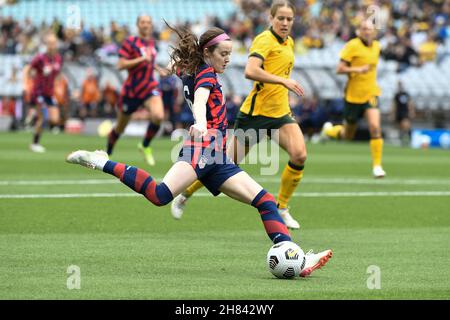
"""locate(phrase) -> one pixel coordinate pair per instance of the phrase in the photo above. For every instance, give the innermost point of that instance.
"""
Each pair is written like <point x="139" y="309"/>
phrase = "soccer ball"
<point x="286" y="260"/>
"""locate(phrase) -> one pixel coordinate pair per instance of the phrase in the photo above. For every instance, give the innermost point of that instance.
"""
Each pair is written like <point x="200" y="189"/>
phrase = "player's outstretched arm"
<point x="253" y="71"/>
<point x="344" y="68"/>
<point x="131" y="63"/>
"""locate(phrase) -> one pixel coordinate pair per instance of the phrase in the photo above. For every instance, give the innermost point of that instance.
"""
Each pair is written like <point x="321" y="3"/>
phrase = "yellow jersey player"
<point x="359" y="59"/>
<point x="266" y="108"/>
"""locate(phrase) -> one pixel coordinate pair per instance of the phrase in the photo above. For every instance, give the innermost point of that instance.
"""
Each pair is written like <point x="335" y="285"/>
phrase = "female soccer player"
<point x="138" y="55"/>
<point x="267" y="108"/>
<point x="43" y="69"/>
<point x="203" y="155"/>
<point x="359" y="60"/>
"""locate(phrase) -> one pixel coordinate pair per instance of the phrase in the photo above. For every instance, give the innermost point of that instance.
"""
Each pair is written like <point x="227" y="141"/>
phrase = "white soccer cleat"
<point x="323" y="135"/>
<point x="37" y="148"/>
<point x="290" y="222"/>
<point x="315" y="261"/>
<point x="378" y="172"/>
<point x="177" y="206"/>
<point x="94" y="160"/>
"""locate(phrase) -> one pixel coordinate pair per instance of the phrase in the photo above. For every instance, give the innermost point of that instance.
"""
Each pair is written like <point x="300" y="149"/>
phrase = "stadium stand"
<point x="320" y="31"/>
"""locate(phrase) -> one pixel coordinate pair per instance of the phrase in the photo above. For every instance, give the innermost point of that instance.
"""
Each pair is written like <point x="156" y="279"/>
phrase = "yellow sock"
<point x="290" y="178"/>
<point x="376" y="149"/>
<point x="193" y="188"/>
<point x="334" y="131"/>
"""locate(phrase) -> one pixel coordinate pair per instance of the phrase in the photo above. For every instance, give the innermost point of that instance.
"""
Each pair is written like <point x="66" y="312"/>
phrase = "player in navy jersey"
<point x="137" y="55"/>
<point x="43" y="69"/>
<point x="203" y="155"/>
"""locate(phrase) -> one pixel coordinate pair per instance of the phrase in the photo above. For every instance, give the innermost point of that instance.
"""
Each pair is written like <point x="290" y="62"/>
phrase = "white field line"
<point x="385" y="181"/>
<point x="204" y="194"/>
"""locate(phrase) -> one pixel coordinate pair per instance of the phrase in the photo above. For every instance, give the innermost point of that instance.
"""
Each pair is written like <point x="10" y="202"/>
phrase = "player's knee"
<point x="375" y="132"/>
<point x="158" y="118"/>
<point x="298" y="158"/>
<point x="163" y="195"/>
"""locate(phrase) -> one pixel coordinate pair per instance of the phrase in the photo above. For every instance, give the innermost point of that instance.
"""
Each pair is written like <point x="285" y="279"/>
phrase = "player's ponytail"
<point x="187" y="54"/>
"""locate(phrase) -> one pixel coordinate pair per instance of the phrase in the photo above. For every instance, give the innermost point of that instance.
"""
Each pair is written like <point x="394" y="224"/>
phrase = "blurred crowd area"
<point x="410" y="32"/>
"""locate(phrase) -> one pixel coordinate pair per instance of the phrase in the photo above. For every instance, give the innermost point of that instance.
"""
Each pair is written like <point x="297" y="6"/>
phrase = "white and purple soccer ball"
<point x="286" y="260"/>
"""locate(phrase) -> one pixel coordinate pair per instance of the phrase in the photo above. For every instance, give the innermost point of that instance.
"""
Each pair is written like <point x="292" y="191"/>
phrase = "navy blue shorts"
<point x="212" y="167"/>
<point x="43" y="100"/>
<point x="130" y="105"/>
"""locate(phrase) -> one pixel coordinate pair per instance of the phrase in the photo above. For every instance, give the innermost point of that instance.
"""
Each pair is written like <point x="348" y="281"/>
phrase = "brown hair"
<point x="187" y="55"/>
<point x="279" y="4"/>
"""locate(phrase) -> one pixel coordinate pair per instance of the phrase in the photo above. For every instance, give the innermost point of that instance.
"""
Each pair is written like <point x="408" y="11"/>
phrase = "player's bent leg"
<point x="348" y="131"/>
<point x="155" y="106"/>
<point x="141" y="182"/>
<point x="292" y="141"/>
<point x="35" y="146"/>
<point x="243" y="188"/>
<point x="54" y="117"/>
<point x="116" y="132"/>
<point x="179" y="202"/>
<point x="376" y="141"/>
<point x="237" y="150"/>
<point x="330" y="131"/>
<point x="179" y="177"/>
<point x="137" y="179"/>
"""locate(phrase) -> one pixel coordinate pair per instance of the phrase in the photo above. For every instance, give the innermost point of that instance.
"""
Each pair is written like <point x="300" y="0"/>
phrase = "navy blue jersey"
<point x="141" y="81"/>
<point x="216" y="112"/>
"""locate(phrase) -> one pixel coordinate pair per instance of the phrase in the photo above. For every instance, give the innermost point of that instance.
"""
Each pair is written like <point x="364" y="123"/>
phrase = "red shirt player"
<point x="137" y="55"/>
<point x="43" y="69"/>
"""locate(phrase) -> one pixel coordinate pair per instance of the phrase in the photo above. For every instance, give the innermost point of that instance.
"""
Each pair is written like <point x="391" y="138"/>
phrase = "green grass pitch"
<point x="128" y="249"/>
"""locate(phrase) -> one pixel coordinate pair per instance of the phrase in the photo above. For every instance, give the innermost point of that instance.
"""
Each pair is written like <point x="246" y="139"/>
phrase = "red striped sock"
<point x="141" y="182"/>
<point x="273" y="223"/>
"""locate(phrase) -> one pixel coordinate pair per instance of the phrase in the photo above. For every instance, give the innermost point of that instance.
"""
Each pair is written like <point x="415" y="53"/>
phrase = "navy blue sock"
<point x="273" y="223"/>
<point x="141" y="182"/>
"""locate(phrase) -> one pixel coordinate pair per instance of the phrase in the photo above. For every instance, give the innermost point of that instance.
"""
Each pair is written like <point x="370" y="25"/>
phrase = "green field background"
<point x="128" y="249"/>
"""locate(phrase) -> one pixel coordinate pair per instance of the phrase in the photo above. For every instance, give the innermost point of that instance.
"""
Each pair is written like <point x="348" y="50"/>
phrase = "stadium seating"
<point x="428" y="85"/>
<point x="98" y="13"/>
<point x="314" y="69"/>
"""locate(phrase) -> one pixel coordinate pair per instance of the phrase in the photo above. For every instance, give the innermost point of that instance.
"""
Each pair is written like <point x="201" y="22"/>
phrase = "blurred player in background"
<point x="402" y="112"/>
<point x="203" y="157"/>
<point x="137" y="55"/>
<point x="43" y="69"/>
<point x="359" y="60"/>
<point x="269" y="65"/>
<point x="169" y="88"/>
